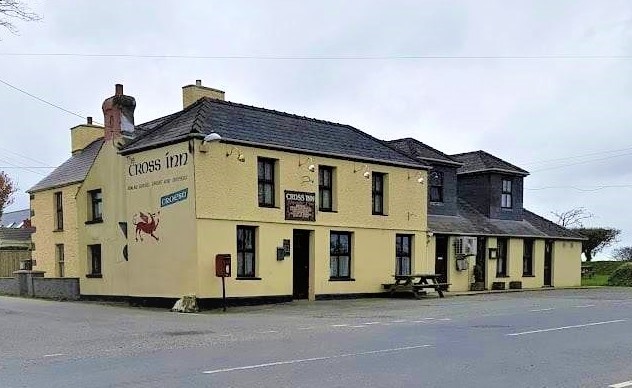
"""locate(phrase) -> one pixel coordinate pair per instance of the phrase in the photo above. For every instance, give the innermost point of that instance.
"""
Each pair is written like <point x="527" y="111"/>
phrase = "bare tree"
<point x="573" y="218"/>
<point x="11" y="10"/>
<point x="7" y="189"/>
<point x="597" y="239"/>
<point x="623" y="254"/>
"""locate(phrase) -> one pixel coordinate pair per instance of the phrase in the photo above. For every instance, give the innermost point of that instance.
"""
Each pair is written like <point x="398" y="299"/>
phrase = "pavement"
<point x="555" y="338"/>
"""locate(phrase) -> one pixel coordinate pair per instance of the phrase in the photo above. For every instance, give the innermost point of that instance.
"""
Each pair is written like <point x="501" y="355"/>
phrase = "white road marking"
<point x="340" y="325"/>
<point x="289" y="362"/>
<point x="586" y="305"/>
<point x="306" y="328"/>
<point x="538" y="310"/>
<point x="359" y="326"/>
<point x="54" y="355"/>
<point x="567" y="327"/>
<point x="371" y="323"/>
<point x="621" y="385"/>
<point x="445" y="319"/>
<point x="398" y="321"/>
<point x="267" y="332"/>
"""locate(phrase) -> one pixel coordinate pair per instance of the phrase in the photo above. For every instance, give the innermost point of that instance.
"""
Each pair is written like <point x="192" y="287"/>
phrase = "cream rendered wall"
<point x="107" y="174"/>
<point x="226" y="196"/>
<point x="459" y="280"/>
<point x="166" y="267"/>
<point x="567" y="263"/>
<point x="45" y="236"/>
<point x="83" y="135"/>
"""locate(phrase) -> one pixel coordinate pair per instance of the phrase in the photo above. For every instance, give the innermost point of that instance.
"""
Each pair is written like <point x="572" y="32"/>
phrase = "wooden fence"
<point x="10" y="261"/>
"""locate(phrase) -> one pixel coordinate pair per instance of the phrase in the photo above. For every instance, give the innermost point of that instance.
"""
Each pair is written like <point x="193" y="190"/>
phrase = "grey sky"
<point x="522" y="110"/>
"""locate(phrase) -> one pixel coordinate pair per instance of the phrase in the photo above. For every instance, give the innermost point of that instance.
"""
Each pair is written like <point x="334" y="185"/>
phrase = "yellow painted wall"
<point x="567" y="263"/>
<point x="82" y="135"/>
<point x="45" y="237"/>
<point x="226" y="196"/>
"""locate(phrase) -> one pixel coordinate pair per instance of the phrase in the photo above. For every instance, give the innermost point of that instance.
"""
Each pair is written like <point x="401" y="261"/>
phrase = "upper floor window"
<point x="265" y="178"/>
<point x="325" y="188"/>
<point x="59" y="211"/>
<point x="96" y="205"/>
<point x="378" y="193"/>
<point x="246" y="251"/>
<point x="506" y="200"/>
<point x="436" y="186"/>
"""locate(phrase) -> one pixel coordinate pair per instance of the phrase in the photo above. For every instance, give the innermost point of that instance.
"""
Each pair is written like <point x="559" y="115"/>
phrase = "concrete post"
<point x="25" y="281"/>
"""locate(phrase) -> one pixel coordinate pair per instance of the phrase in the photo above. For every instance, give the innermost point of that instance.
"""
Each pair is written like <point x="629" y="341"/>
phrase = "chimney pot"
<point x="89" y="120"/>
<point x="118" y="90"/>
<point x="198" y="82"/>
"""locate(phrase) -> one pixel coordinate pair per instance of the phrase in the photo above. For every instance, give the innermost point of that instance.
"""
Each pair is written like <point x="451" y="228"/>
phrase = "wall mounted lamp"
<point x="419" y="176"/>
<point x="311" y="167"/>
<point x="211" y="137"/>
<point x="237" y="152"/>
<point x="366" y="174"/>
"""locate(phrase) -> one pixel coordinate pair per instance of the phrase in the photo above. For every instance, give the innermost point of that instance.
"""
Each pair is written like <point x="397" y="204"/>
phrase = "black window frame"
<point x="502" y="256"/>
<point x="436" y="187"/>
<point x="96" y="263"/>
<point x="263" y="182"/>
<point x="94" y="204"/>
<point x="527" y="257"/>
<point x="242" y="250"/>
<point x="324" y="187"/>
<point x="506" y="193"/>
<point x="60" y="260"/>
<point x="377" y="194"/>
<point x="335" y="252"/>
<point x="400" y="254"/>
<point x="59" y="210"/>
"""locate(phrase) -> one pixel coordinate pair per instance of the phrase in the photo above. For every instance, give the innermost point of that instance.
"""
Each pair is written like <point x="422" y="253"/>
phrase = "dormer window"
<point x="436" y="186"/>
<point x="506" y="200"/>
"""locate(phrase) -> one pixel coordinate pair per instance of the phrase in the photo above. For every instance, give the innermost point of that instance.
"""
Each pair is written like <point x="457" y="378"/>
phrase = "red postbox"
<point x="222" y="266"/>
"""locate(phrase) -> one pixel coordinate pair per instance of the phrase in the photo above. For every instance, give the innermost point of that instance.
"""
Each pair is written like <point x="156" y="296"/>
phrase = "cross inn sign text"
<point x="300" y="206"/>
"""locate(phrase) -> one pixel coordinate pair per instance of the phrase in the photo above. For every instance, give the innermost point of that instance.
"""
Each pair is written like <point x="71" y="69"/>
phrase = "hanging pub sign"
<point x="300" y="206"/>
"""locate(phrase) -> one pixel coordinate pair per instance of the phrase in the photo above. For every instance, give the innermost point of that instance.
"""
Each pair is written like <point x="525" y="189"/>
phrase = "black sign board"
<point x="300" y="206"/>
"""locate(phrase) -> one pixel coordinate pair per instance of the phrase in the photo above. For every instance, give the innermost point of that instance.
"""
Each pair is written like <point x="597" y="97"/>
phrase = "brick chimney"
<point x="118" y="113"/>
<point x="192" y="93"/>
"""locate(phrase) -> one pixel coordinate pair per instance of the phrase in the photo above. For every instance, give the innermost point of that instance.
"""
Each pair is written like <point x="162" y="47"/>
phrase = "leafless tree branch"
<point x="15" y="10"/>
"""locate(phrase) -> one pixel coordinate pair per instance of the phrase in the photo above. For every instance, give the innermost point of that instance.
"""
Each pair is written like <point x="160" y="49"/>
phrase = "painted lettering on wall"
<point x="172" y="198"/>
<point x="140" y="167"/>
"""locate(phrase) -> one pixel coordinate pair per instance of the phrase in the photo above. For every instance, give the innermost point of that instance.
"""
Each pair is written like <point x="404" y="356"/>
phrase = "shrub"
<point x="622" y="276"/>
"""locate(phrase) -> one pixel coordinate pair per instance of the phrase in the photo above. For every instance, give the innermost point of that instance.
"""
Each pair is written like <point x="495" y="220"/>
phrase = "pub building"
<point x="305" y="208"/>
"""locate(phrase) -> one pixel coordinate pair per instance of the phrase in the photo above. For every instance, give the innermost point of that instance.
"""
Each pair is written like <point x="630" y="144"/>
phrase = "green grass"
<point x="596" y="280"/>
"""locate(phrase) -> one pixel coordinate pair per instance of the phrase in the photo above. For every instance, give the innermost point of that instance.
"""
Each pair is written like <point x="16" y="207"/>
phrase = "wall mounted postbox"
<point x="222" y="266"/>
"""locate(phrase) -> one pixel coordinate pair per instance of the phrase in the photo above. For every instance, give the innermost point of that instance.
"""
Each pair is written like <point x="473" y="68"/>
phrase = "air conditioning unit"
<point x="464" y="245"/>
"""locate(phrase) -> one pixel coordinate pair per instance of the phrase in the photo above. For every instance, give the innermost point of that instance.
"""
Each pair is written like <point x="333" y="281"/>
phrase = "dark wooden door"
<point x="300" y="256"/>
<point x="548" y="263"/>
<point x="441" y="258"/>
<point x="481" y="250"/>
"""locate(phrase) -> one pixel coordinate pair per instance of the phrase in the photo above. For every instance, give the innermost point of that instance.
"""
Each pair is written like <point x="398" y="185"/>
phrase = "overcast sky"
<point x="565" y="120"/>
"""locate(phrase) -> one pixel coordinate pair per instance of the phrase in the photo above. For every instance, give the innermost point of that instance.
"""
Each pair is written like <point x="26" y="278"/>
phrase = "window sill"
<point x="341" y="279"/>
<point x="269" y="206"/>
<point x="327" y="211"/>
<point x="380" y="214"/>
<point x="247" y="278"/>
<point x="503" y="276"/>
<point x="58" y="230"/>
<point x="506" y="209"/>
<point x="528" y="276"/>
<point x="94" y="276"/>
<point x="97" y="221"/>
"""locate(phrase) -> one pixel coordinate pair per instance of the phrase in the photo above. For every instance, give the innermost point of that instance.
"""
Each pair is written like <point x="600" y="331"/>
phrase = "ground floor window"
<point x="94" y="259"/>
<point x="340" y="255"/>
<point x="246" y="251"/>
<point x="527" y="258"/>
<point x="59" y="258"/>
<point x="403" y="245"/>
<point x="501" y="261"/>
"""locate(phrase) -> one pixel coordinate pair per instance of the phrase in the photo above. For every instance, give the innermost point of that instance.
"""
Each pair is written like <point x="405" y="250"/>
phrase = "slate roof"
<point x="480" y="161"/>
<point x="422" y="152"/>
<point x="73" y="170"/>
<point x="471" y="222"/>
<point x="14" y="218"/>
<point x="237" y="123"/>
<point x="16" y="234"/>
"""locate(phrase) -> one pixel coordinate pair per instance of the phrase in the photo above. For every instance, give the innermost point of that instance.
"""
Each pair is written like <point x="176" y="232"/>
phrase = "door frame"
<point x="551" y="259"/>
<point x="310" y="262"/>
<point x="446" y="256"/>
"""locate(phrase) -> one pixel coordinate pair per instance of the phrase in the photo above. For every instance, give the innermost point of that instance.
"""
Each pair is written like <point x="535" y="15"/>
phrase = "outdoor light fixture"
<point x="419" y="176"/>
<point x="366" y="174"/>
<point x="311" y="167"/>
<point x="237" y="151"/>
<point x="211" y="137"/>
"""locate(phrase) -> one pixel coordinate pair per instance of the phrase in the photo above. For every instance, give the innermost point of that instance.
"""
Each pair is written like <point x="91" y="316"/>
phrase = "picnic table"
<point x="416" y="284"/>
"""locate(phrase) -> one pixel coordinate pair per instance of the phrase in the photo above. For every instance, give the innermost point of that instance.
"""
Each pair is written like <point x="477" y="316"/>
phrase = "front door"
<point x="441" y="258"/>
<point x="300" y="256"/>
<point x="548" y="263"/>
<point x="479" y="269"/>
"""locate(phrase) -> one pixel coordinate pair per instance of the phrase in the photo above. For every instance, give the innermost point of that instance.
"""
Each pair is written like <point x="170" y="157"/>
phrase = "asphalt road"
<point x="556" y="338"/>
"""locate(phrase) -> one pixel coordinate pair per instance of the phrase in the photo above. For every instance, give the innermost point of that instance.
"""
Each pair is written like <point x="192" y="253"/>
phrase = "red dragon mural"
<point x="148" y="224"/>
